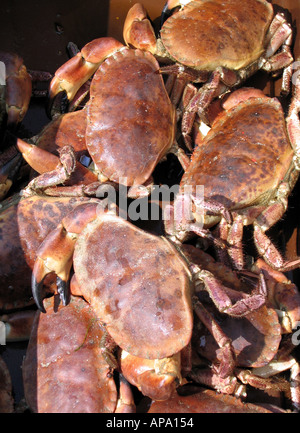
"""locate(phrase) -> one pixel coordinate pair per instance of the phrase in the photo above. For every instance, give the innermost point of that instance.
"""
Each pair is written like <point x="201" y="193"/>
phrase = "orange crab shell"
<point x="131" y="128"/>
<point x="208" y="34"/>
<point x="138" y="285"/>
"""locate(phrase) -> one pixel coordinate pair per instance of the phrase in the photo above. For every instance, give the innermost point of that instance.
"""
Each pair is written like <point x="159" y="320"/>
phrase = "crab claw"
<point x="77" y="70"/>
<point x="39" y="159"/>
<point x="54" y="255"/>
<point x="18" y="87"/>
<point x="138" y="31"/>
<point x="63" y="289"/>
<point x="36" y="288"/>
<point x="54" y="170"/>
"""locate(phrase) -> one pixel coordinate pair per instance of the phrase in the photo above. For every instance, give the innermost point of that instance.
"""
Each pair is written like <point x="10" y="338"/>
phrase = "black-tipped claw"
<point x="63" y="289"/>
<point x="37" y="293"/>
<point x="58" y="105"/>
<point x="166" y="13"/>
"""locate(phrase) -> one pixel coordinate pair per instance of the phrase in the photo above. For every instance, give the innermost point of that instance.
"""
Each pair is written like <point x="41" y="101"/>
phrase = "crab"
<point x="246" y="167"/>
<point x="258" y="340"/>
<point x="120" y="281"/>
<point x="124" y="284"/>
<point x="16" y="89"/>
<point x="17" y="85"/>
<point x="215" y="42"/>
<point x="130" y="125"/>
<point x="71" y="375"/>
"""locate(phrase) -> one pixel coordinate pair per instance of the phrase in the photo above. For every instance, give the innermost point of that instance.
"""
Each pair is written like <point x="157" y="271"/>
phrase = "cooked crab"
<point x="138" y="283"/>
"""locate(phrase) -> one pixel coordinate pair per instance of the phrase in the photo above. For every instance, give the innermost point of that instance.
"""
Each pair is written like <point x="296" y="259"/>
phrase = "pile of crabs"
<point x="196" y="312"/>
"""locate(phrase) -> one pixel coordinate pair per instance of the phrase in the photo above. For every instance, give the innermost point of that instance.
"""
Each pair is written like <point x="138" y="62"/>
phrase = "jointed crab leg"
<point x="223" y="301"/>
<point x="56" y="171"/>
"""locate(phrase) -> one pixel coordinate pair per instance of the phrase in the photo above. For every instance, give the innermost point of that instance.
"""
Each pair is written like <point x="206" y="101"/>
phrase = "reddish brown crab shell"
<point x="208" y="34"/>
<point x="138" y="285"/>
<point x="64" y="370"/>
<point x="245" y="156"/>
<point x="130" y="119"/>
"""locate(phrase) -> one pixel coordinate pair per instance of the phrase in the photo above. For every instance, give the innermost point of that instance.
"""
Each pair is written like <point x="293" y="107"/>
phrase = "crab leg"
<point x="220" y="295"/>
<point x="279" y="35"/>
<point x="55" y="170"/>
<point x="227" y="356"/>
<point x="263" y="244"/>
<point x="56" y="252"/>
<point x="261" y="224"/>
<point x="125" y="403"/>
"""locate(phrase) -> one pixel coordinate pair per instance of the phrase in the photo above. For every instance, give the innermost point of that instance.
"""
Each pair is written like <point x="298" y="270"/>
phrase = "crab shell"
<point x="244" y="157"/>
<point x="207" y="34"/>
<point x="255" y="338"/>
<point x="130" y="118"/>
<point x="138" y="284"/>
<point x="64" y="370"/>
